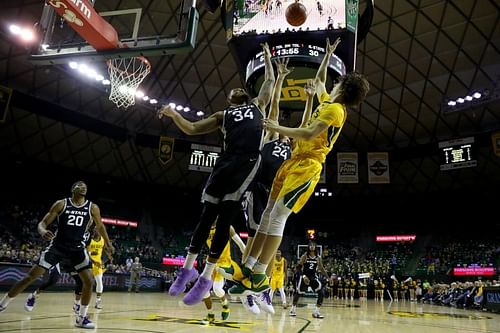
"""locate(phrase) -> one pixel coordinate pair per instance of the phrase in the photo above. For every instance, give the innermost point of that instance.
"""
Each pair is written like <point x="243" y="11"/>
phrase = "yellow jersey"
<point x="225" y="256"/>
<point x="95" y="249"/>
<point x="278" y="268"/>
<point x="332" y="114"/>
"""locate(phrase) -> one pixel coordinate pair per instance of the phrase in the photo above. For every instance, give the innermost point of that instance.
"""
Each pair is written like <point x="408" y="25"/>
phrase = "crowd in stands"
<point x="344" y="260"/>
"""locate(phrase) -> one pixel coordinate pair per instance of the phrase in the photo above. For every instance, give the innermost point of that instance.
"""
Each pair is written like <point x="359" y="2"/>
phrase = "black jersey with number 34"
<point x="73" y="222"/>
<point x="242" y="128"/>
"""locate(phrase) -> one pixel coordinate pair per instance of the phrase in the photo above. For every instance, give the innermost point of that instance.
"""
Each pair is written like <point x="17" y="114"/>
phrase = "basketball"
<point x="296" y="14"/>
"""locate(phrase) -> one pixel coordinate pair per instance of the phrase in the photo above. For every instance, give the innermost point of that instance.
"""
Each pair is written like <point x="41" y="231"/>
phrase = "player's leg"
<point x="318" y="288"/>
<point x="283" y="296"/>
<point x="98" y="289"/>
<point x="78" y="292"/>
<point x="210" y="318"/>
<point x="87" y="282"/>
<point x="35" y="272"/>
<point x="187" y="273"/>
<point x="229" y="210"/>
<point x="54" y="275"/>
<point x="218" y="288"/>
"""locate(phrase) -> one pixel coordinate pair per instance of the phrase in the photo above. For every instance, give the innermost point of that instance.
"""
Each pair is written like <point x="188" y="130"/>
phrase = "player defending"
<point x="135" y="275"/>
<point x="298" y="176"/>
<point x="231" y="177"/>
<point x="74" y="217"/>
<point x="307" y="276"/>
<point x="95" y="249"/>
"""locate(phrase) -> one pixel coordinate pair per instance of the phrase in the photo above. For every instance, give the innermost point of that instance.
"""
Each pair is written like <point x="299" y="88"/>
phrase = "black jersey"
<point x="73" y="222"/>
<point x="310" y="267"/>
<point x="242" y="128"/>
<point x="274" y="153"/>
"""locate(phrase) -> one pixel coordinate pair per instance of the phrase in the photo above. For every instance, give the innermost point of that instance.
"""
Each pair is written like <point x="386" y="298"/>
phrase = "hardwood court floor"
<point x="156" y="312"/>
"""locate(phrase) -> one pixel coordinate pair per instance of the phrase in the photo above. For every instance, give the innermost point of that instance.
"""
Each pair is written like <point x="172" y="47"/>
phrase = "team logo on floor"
<point x="409" y="314"/>
<point x="239" y="325"/>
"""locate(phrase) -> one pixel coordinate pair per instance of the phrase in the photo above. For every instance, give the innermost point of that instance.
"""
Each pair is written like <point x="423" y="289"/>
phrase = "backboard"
<point x="77" y="30"/>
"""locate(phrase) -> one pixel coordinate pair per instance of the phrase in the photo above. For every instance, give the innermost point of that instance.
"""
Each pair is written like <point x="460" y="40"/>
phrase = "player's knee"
<point x="219" y="292"/>
<point x="276" y="226"/>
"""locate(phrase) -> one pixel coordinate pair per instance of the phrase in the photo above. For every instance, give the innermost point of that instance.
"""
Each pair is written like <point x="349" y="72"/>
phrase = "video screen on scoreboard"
<point x="268" y="16"/>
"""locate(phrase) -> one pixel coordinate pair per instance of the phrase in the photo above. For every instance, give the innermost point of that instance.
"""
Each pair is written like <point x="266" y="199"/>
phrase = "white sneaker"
<point x="317" y="315"/>
<point x="98" y="304"/>
<point x="30" y="303"/>
<point x="2" y="308"/>
<point x="84" y="322"/>
<point x="292" y="312"/>
<point x="266" y="303"/>
<point x="249" y="304"/>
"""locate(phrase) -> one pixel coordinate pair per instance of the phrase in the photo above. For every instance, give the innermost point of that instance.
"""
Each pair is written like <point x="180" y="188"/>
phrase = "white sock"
<point x="190" y="259"/>
<point x="250" y="262"/>
<point x="83" y="310"/>
<point x="208" y="270"/>
<point x="259" y="267"/>
<point x="6" y="300"/>
<point x="77" y="302"/>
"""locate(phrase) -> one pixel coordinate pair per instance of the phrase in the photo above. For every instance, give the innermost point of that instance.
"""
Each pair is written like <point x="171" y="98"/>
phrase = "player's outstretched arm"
<point x="54" y="211"/>
<point x="320" y="79"/>
<point x="283" y="71"/>
<point x="303" y="133"/>
<point x="310" y="90"/>
<point x="266" y="89"/>
<point x="203" y="126"/>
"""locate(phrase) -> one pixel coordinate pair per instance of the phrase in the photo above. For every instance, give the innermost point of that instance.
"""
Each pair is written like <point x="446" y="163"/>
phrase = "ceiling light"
<point x="179" y="107"/>
<point x="15" y="29"/>
<point x="153" y="101"/>
<point x="460" y="100"/>
<point x="99" y="77"/>
<point x="27" y="35"/>
<point x="468" y="98"/>
<point x="106" y="82"/>
<point x="200" y="113"/>
<point x="452" y="103"/>
<point x="139" y="94"/>
<point x="477" y="95"/>
<point x="145" y="98"/>
<point x="73" y="65"/>
<point x="187" y="109"/>
<point x="172" y="105"/>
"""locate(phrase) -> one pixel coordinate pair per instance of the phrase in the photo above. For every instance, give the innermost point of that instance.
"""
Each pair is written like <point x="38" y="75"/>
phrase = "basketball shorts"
<point x="54" y="253"/>
<point x="231" y="177"/>
<point x="277" y="283"/>
<point x="314" y="283"/>
<point x="97" y="269"/>
<point x="295" y="181"/>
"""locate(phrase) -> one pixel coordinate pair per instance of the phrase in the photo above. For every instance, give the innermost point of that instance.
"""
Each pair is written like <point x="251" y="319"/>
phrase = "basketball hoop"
<point x="126" y="74"/>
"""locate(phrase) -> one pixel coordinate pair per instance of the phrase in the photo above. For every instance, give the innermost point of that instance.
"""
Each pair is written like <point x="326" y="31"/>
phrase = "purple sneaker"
<point x="184" y="276"/>
<point x="198" y="292"/>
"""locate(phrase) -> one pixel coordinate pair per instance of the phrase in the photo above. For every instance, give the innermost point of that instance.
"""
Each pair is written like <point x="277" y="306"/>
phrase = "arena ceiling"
<point x="417" y="55"/>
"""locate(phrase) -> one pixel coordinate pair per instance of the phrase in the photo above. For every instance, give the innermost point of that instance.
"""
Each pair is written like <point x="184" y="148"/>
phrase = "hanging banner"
<point x="166" y="149"/>
<point x="352" y="9"/>
<point x="495" y="138"/>
<point x="378" y="168"/>
<point x="347" y="168"/>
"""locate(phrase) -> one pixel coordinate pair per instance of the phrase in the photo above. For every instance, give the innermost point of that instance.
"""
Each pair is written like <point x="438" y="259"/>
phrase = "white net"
<point x="126" y="74"/>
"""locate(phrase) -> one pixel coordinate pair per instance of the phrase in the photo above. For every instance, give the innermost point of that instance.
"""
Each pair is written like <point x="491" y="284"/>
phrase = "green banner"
<point x="351" y="14"/>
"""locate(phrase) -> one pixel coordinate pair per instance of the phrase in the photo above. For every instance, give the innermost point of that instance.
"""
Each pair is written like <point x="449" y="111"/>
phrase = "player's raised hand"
<point x="265" y="49"/>
<point x="310" y="88"/>
<point x="166" y="111"/>
<point x="330" y="48"/>
<point x="282" y="66"/>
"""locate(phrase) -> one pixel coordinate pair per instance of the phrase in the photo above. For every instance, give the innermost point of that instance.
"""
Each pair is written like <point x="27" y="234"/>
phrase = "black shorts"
<point x="256" y="202"/>
<point x="231" y="177"/>
<point x="314" y="283"/>
<point x="78" y="258"/>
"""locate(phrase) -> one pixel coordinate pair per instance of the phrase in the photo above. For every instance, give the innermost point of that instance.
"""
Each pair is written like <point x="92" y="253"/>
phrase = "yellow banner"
<point x="166" y="149"/>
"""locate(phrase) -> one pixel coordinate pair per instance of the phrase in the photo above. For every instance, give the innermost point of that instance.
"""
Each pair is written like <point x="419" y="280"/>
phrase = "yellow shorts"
<point x="295" y="181"/>
<point x="277" y="283"/>
<point x="97" y="269"/>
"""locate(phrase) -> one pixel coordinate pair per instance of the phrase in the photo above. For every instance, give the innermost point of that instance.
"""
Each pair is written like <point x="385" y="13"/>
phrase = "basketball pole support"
<point x="185" y="40"/>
